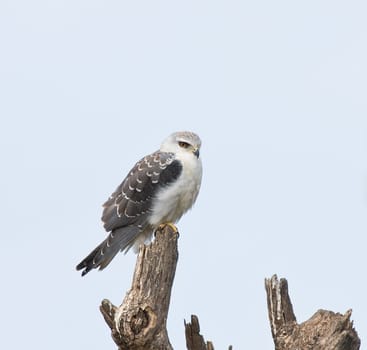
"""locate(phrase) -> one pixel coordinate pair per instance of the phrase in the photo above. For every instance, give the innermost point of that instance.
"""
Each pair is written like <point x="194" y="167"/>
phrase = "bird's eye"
<point x="183" y="144"/>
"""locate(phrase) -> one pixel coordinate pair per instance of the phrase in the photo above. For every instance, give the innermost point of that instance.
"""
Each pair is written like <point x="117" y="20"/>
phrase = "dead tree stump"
<point x="325" y="330"/>
<point x="140" y="321"/>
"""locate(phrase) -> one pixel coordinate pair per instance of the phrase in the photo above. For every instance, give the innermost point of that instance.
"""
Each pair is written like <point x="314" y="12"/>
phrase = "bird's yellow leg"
<point x="170" y="224"/>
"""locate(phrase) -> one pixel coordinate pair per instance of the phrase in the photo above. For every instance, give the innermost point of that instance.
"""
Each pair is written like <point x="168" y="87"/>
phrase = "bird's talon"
<point x="170" y="224"/>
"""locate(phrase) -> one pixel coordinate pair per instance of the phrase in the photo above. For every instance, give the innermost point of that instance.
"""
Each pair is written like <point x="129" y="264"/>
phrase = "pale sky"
<point x="277" y="92"/>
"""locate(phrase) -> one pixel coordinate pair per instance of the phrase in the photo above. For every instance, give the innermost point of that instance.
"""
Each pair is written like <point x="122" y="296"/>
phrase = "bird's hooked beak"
<point x="196" y="152"/>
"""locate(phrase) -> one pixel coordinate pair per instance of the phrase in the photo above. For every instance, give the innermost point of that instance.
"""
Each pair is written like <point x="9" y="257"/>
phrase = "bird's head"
<point x="182" y="142"/>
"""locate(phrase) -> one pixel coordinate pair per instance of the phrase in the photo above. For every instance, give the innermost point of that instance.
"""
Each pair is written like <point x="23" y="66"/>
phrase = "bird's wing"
<point x="131" y="203"/>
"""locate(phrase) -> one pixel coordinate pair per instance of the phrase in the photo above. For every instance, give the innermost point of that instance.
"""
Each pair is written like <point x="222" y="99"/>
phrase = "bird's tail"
<point x="118" y="240"/>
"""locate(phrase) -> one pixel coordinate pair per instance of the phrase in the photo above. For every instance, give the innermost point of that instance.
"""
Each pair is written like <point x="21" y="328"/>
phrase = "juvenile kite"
<point x="159" y="189"/>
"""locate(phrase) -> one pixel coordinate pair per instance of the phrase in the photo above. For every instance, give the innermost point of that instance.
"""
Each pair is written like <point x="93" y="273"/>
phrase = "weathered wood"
<point x="194" y="340"/>
<point x="140" y="321"/>
<point x="325" y="330"/>
<point x="280" y="308"/>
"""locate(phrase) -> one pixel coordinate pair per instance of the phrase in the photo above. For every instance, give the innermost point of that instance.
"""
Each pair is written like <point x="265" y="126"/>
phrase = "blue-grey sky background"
<point x="276" y="90"/>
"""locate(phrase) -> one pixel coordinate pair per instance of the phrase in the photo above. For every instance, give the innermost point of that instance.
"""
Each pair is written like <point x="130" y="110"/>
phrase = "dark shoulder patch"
<point x="131" y="203"/>
<point x="171" y="173"/>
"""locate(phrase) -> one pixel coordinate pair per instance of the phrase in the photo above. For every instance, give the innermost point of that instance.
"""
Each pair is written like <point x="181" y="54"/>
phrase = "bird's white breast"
<point x="175" y="199"/>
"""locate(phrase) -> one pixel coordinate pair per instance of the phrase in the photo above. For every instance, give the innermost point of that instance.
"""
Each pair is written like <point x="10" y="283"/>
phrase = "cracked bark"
<point x="325" y="330"/>
<point x="140" y="321"/>
<point x="194" y="340"/>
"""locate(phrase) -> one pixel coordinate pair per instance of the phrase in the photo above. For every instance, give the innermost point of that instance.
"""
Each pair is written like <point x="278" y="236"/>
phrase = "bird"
<point x="158" y="190"/>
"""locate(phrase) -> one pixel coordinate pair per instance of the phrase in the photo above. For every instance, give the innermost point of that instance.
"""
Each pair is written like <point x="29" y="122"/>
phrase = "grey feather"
<point x="126" y="212"/>
<point x="118" y="240"/>
<point x="132" y="200"/>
